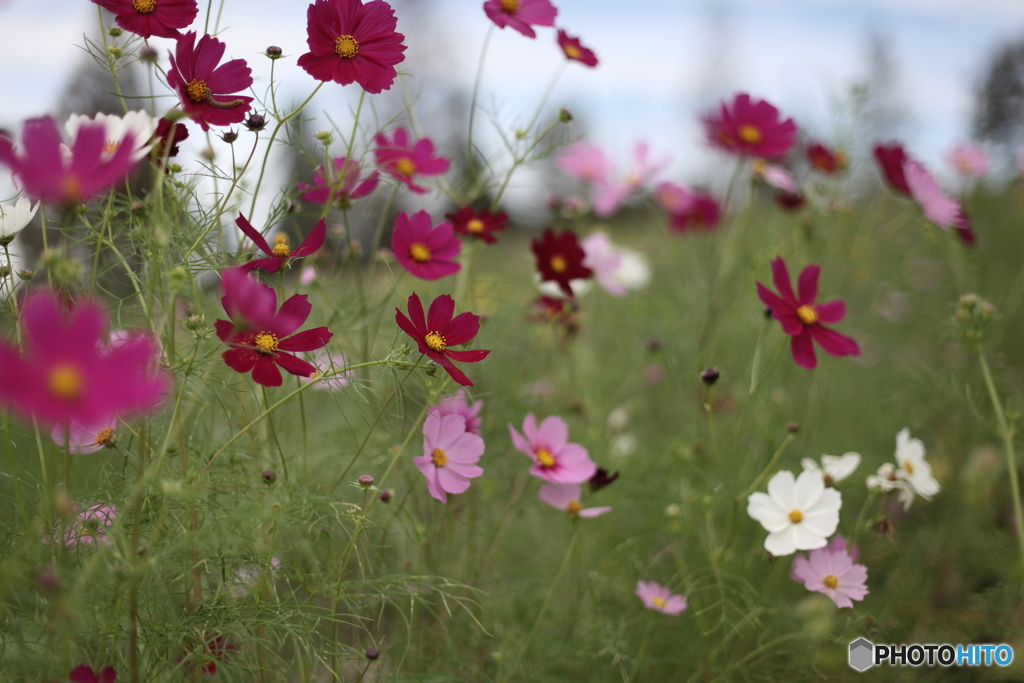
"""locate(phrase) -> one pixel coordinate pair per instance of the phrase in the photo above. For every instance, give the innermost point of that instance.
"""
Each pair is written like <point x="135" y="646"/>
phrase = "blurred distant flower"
<point x="438" y="330"/>
<point x="583" y="161"/>
<point x="834" y="468"/>
<point x="567" y="497"/>
<point x="886" y="479"/>
<point x="84" y="674"/>
<point x="280" y="253"/>
<point x="773" y="174"/>
<point x="617" y="269"/>
<point x="968" y="159"/>
<point x="939" y="207"/>
<point x="659" y="598"/>
<point x="802" y="319"/>
<point x="450" y="454"/>
<point x="574" y="50"/>
<point x="404" y="160"/>
<point x="790" y="201"/>
<point x="327" y="362"/>
<point x="307" y="276"/>
<point x="480" y="224"/>
<point x="824" y="159"/>
<point x="560" y="259"/>
<point x="750" y="127"/>
<point x="890" y="160"/>
<point x="246" y="578"/>
<point x="831" y="570"/>
<point x="90" y="526"/>
<point x="521" y="14"/>
<point x="459" y="404"/>
<point x="166" y="139"/>
<point x="14" y="217"/>
<point x="137" y="126"/>
<point x="555" y="459"/>
<point x="609" y="193"/>
<point x="208" y="92"/>
<point x="85" y="438"/>
<point x="213" y="649"/>
<point x="352" y="42"/>
<point x="798" y="514"/>
<point x="913" y="468"/>
<point x="687" y="210"/>
<point x="339" y="187"/>
<point x="148" y="18"/>
<point x="426" y="251"/>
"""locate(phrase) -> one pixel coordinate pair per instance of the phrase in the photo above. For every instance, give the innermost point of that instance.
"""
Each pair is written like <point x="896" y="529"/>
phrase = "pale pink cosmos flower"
<point x="567" y="497"/>
<point x="774" y="175"/>
<point x="84" y="438"/>
<point x="89" y="526"/>
<point x="584" y="161"/>
<point x="460" y="404"/>
<point x="554" y="459"/>
<point x="617" y="269"/>
<point x="450" y="454"/>
<point x="659" y="598"/>
<point x="608" y="195"/>
<point x="328" y="363"/>
<point x="968" y="159"/>
<point x="307" y="276"/>
<point x="831" y="570"/>
<point x="939" y="207"/>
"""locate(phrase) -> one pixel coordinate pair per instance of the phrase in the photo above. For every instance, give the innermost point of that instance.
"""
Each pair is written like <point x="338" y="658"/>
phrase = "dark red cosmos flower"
<point x="206" y="90"/>
<point x="84" y="674"/>
<point x="149" y="18"/>
<point x="964" y="229"/>
<point x="560" y="259"/>
<point x="750" y="127"/>
<point x="280" y="253"/>
<point x="890" y="159"/>
<point x="574" y="50"/>
<point x="824" y="159"/>
<point x="165" y="140"/>
<point x="438" y="330"/>
<point x="788" y="200"/>
<point x="350" y="42"/>
<point x="687" y="210"/>
<point x="260" y="335"/>
<point x="480" y="224"/>
<point x="215" y="649"/>
<point x="802" y="319"/>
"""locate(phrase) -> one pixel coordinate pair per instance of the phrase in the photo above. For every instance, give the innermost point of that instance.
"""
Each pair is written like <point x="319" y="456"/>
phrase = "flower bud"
<point x="324" y="136"/>
<point x="229" y="136"/>
<point x="114" y="31"/>
<point x="274" y="52"/>
<point x="564" y="115"/>
<point x="5" y="272"/>
<point x="385" y="495"/>
<point x="709" y="376"/>
<point x="653" y="345"/>
<point x="269" y="477"/>
<point x="47" y="581"/>
<point x="137" y="208"/>
<point x="114" y="51"/>
<point x="26" y="275"/>
<point x="256" y="122"/>
<point x="372" y="653"/>
<point x="366" y="481"/>
<point x="793" y="427"/>
<point x="148" y="54"/>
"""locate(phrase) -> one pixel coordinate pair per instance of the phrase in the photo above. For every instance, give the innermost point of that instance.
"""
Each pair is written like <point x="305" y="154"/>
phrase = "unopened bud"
<point x="269" y="477"/>
<point x="137" y="208"/>
<point x="47" y="581"/>
<point x="229" y="136"/>
<point x="385" y="495"/>
<point x="324" y="136"/>
<point x="793" y="427"/>
<point x="653" y="345"/>
<point x="256" y="122"/>
<point x="709" y="376"/>
<point x="564" y="115"/>
<point x="26" y="275"/>
<point x="366" y="481"/>
<point x="148" y="54"/>
<point x="114" y="50"/>
<point x="274" y="52"/>
<point x="5" y="272"/>
<point x="372" y="653"/>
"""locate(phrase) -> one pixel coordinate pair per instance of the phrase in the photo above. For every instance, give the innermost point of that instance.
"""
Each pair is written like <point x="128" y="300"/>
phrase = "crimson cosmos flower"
<point x="560" y="259"/>
<point x="404" y="160"/>
<point x="574" y="50"/>
<point x="520" y="14"/>
<point x="890" y="160"/>
<point x="802" y="319"/>
<point x="206" y="90"/>
<point x="750" y="127"/>
<point x="826" y="160"/>
<point x="84" y="674"/>
<point x="149" y="18"/>
<point x="167" y="134"/>
<point x="350" y="42"/>
<point x="480" y="224"/>
<point x="260" y="335"/>
<point x="280" y="253"/>
<point x="438" y="330"/>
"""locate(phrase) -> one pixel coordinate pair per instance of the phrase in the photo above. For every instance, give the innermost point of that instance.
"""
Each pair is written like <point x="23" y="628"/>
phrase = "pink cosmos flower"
<point x="280" y="253"/>
<point x="555" y="460"/>
<point x="774" y="175"/>
<point x="608" y="195"/>
<point x="404" y="160"/>
<point x="617" y="269"/>
<point x="46" y="173"/>
<point x="750" y="127"/>
<point x="968" y="159"/>
<point x="427" y="252"/>
<point x="339" y="187"/>
<point x="459" y="404"/>
<point x="687" y="210"/>
<point x="89" y="526"/>
<point x="84" y="438"/>
<point x="802" y="319"/>
<point x="63" y="376"/>
<point x="84" y="674"/>
<point x="940" y="208"/>
<point x="352" y="42"/>
<point x="567" y="497"/>
<point x="831" y="570"/>
<point x="328" y="363"/>
<point x="575" y="51"/>
<point x="450" y="454"/>
<point x="521" y="14"/>
<point x="260" y="336"/>
<point x="149" y="18"/>
<point x="659" y="598"/>
<point x="584" y="161"/>
<point x="438" y="330"/>
<point x="207" y="91"/>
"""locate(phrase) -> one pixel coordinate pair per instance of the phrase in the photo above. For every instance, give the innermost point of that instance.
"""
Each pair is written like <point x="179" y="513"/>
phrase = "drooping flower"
<point x="617" y="269"/>
<point x="802" y="319"/>
<point x="166" y="138"/>
<point x="139" y="124"/>
<point x="555" y="459"/>
<point x="14" y="217"/>
<point x="352" y="42"/>
<point x="913" y="468"/>
<point x="480" y="224"/>
<point x="560" y="259"/>
<point x="798" y="514"/>
<point x="45" y="172"/>
<point x="824" y="159"/>
<point x="659" y="598"/>
<point x="82" y="439"/>
<point x="575" y="51"/>
<point x="328" y="363"/>
<point x="567" y="497"/>
<point x="208" y="91"/>
<point x="834" y="468"/>
<point x="774" y="175"/>
<point x="339" y="187"/>
<point x="831" y="570"/>
<point x="584" y="161"/>
<point x="83" y="673"/>
<point x="280" y="253"/>
<point x="939" y="207"/>
<point x="521" y="14"/>
<point x="459" y="404"/>
<point x="450" y="454"/>
<point x="750" y="127"/>
<point x="890" y="160"/>
<point x="968" y="159"/>
<point x="148" y="18"/>
<point x="89" y="526"/>
<point x="404" y="160"/>
<point x="687" y="210"/>
<point x="437" y="331"/>
<point x="427" y="252"/>
<point x="260" y="335"/>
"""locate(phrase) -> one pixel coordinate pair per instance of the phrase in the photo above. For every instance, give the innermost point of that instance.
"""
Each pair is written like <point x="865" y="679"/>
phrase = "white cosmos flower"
<point x="913" y="468"/>
<point x="617" y="269"/>
<point x="141" y="125"/>
<point x="799" y="514"/>
<point x="834" y="468"/>
<point x="887" y="479"/>
<point x="15" y="217"/>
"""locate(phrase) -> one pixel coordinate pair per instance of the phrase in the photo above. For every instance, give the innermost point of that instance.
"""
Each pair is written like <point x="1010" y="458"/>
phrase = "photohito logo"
<point x="864" y="654"/>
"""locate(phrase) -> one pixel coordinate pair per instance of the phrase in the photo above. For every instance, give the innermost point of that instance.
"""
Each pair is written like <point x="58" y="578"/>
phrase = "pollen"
<point x="346" y="46"/>
<point x="574" y="507"/>
<point x="807" y="314"/>
<point x="509" y="6"/>
<point x="197" y="91"/>
<point x="831" y="581"/>
<point x="144" y="6"/>
<point x="420" y="252"/>
<point x="795" y="516"/>
<point x="281" y="248"/>
<point x="545" y="458"/>
<point x="658" y="601"/>
<point x="750" y="134"/>
<point x="475" y="226"/>
<point x="265" y="342"/>
<point x="439" y="457"/>
<point x="558" y="263"/>
<point x="110" y="146"/>
<point x="105" y="436"/>
<point x="571" y="51"/>
<point x="405" y="167"/>
<point x="65" y="382"/>
<point x="909" y="467"/>
<point x="435" y="342"/>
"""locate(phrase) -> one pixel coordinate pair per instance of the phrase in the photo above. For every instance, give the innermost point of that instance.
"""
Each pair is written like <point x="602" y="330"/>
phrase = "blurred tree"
<point x="999" y="108"/>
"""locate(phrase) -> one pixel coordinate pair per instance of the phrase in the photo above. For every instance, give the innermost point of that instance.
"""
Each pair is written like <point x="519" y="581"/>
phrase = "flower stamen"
<point x="807" y="314"/>
<point x="750" y="134"/>
<point x="544" y="457"/>
<point x="658" y="601"/>
<point x="105" y="436"/>
<point x="346" y="46"/>
<point x="574" y="507"/>
<point x="439" y="457"/>
<point x="509" y="6"/>
<point x="420" y="252"/>
<point x="65" y="382"/>
<point x="795" y="516"/>
<point x="265" y="342"/>
<point x="144" y="6"/>
<point x="405" y="167"/>
<point x="909" y="467"/>
<point x="475" y="226"/>
<point x="831" y="581"/>
<point x="281" y="248"/>
<point x="558" y="263"/>
<point x="435" y="342"/>
<point x="197" y="91"/>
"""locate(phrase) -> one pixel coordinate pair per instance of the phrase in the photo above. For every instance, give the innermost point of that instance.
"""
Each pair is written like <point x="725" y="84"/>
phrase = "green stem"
<point x="768" y="468"/>
<point x="643" y="647"/>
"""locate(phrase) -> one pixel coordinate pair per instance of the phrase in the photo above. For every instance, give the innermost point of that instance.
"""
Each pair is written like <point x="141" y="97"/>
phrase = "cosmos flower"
<point x="437" y="331"/>
<point x="575" y="51"/>
<point x="339" y="187"/>
<point x="329" y="363"/>
<point x="555" y="459"/>
<point x="567" y="497"/>
<point x="166" y="138"/>
<point x="831" y="570"/>
<point x="968" y="159"/>
<point x="659" y="598"/>
<point x="404" y="160"/>
<point x="83" y="673"/>
<point x="939" y="207"/>
<point x="617" y="269"/>
<point x="608" y="194"/>
<point x="913" y="468"/>
<point x="148" y="18"/>
<point x="14" y="217"/>
<point x="521" y="14"/>
<point x="687" y="210"/>
<point x="886" y="479"/>
<point x="774" y="175"/>
<point x="450" y="454"/>
<point x="89" y="526"/>
<point x="85" y="438"/>
<point x="834" y="468"/>
<point x="583" y="161"/>
<point x="460" y="404"/>
<point x="802" y="319"/>
<point x="208" y="91"/>
<point x="480" y="224"/>
<point x="890" y="160"/>
<point x="280" y="253"/>
<point x="140" y="125"/>
<point x="824" y="159"/>
<point x="213" y="649"/>
<point x="798" y="514"/>
<point x="427" y="252"/>
<point x="560" y="259"/>
<point x="750" y="127"/>
<point x="352" y="42"/>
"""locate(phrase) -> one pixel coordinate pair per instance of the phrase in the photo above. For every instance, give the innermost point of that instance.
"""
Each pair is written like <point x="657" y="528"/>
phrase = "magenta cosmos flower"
<point x="750" y="127"/>
<point x="521" y="14"/>
<point x="687" y="210"/>
<point x="890" y="160"/>
<point x="404" y="160"/>
<point x="436" y="331"/>
<point x="831" y="570"/>
<point x="828" y="161"/>
<point x="149" y="18"/>
<point x="207" y="91"/>
<point x="555" y="459"/>
<point x="802" y="319"/>
<point x="85" y="438"/>
<point x="260" y="336"/>
<point x="339" y="187"/>
<point x="659" y="598"/>
<point x="427" y="252"/>
<point x="45" y="172"/>
<point x="280" y="253"/>
<point x="460" y="404"/>
<point x="567" y="497"/>
<point x="450" y="454"/>
<point x="350" y="42"/>
<point x="66" y="376"/>
<point x="575" y="51"/>
<point x="84" y="674"/>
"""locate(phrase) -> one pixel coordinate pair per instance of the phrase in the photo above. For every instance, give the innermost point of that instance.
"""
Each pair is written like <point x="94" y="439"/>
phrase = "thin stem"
<point x="273" y="433"/>
<point x="476" y="91"/>
<point x="768" y="468"/>
<point x="643" y="647"/>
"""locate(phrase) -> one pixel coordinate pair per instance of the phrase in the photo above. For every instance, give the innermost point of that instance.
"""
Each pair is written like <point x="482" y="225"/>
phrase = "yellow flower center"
<point x="197" y="91"/>
<point x="420" y="252"/>
<point x="545" y="458"/>
<point x="571" y="51"/>
<point x="841" y="159"/>
<point x="346" y="46"/>
<point x="435" y="342"/>
<point x="795" y="516"/>
<point x="281" y="247"/>
<point x="807" y="315"/>
<point x="66" y="382"/>
<point x="405" y="166"/>
<point x="831" y="581"/>
<point x="265" y="342"/>
<point x="558" y="263"/>
<point x="72" y="189"/>
<point x="475" y="225"/>
<point x="110" y="146"/>
<point x="750" y="134"/>
<point x="658" y="601"/>
<point x="909" y="467"/>
<point x="758" y="166"/>
<point x="104" y="436"/>
<point x="439" y="457"/>
<point x="144" y="6"/>
<point x="574" y="507"/>
<point x="509" y="6"/>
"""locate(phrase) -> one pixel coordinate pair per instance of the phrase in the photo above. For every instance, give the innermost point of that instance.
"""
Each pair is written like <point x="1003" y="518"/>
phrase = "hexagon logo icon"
<point x="862" y="654"/>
